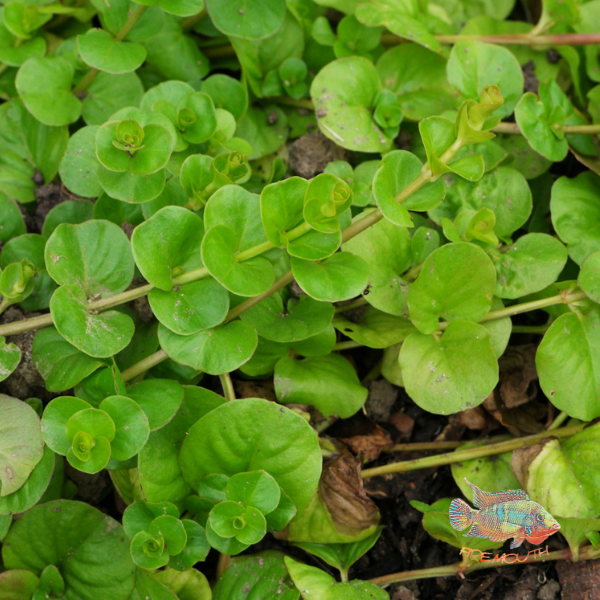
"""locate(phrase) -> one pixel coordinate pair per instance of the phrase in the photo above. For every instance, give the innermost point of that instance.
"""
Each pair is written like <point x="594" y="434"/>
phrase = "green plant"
<point x="168" y="128"/>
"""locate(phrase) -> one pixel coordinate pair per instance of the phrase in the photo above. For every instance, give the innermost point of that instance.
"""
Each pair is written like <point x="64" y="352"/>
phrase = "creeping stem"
<point x="469" y="453"/>
<point x="586" y="553"/>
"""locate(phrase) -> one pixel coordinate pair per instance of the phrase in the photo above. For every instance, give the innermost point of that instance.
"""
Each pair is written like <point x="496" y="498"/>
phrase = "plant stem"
<point x="351" y="305"/>
<point x="525" y="39"/>
<point x="346" y="345"/>
<point x="144" y="365"/>
<point x="418" y="446"/>
<point x="89" y="77"/>
<point x="563" y="298"/>
<point x="586" y="553"/>
<point x="222" y="565"/>
<point x="227" y="386"/>
<point x="507" y="128"/>
<point x="581" y="129"/>
<point x="560" y="419"/>
<point x="467" y="454"/>
<point x="4" y="305"/>
<point x="539" y="329"/>
<point x="134" y="17"/>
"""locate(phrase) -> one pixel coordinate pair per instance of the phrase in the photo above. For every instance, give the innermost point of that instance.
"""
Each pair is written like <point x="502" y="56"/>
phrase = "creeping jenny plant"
<point x="163" y="224"/>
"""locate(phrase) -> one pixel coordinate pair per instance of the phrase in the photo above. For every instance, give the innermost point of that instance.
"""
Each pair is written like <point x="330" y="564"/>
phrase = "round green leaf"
<point x="227" y="93"/>
<point x="386" y="249"/>
<point x="204" y="122"/>
<point x="534" y="121"/>
<point x="521" y="156"/>
<point x="339" y="277"/>
<point x="474" y="65"/>
<point x="88" y="547"/>
<point x="172" y="530"/>
<point x="568" y="363"/>
<point x="147" y="551"/>
<point x="575" y="211"/>
<point x="196" y="550"/>
<point x="18" y="584"/>
<point x="160" y="399"/>
<point x="10" y="357"/>
<point x="110" y="93"/>
<point x="505" y="191"/>
<point x="374" y="328"/>
<point x="405" y="19"/>
<point x="344" y="93"/>
<point x="94" y="256"/>
<point x="99" y="335"/>
<point x="93" y="421"/>
<point x="13" y="224"/>
<point x="329" y="383"/>
<point x="249" y="278"/>
<point x="249" y="19"/>
<point x="492" y="474"/>
<point x="21" y="443"/>
<point x="191" y="308"/>
<point x="231" y="439"/>
<point x="30" y="493"/>
<point x="261" y="575"/>
<point x="301" y="319"/>
<point x="264" y="137"/>
<point x="213" y="351"/>
<point x="93" y="461"/>
<point x="70" y="211"/>
<point x="131" y="188"/>
<point x="54" y="421"/>
<point x="131" y="425"/>
<point x="573" y="467"/>
<point x="169" y="241"/>
<point x="79" y="164"/>
<point x="257" y="489"/>
<point x="397" y="171"/>
<point x="418" y="78"/>
<point x="227" y="519"/>
<point x="31" y="247"/>
<point x="589" y="276"/>
<point x="158" y="462"/>
<point x="451" y="373"/>
<point x="228" y="546"/>
<point x="98" y="49"/>
<point x="139" y="515"/>
<point x="44" y="85"/>
<point x="61" y="365"/>
<point x="187" y="584"/>
<point x="281" y="208"/>
<point x="529" y="265"/>
<point x="457" y="282"/>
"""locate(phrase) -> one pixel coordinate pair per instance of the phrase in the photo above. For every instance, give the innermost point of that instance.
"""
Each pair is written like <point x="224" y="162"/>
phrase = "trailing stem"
<point x="468" y="453"/>
<point x="586" y="553"/>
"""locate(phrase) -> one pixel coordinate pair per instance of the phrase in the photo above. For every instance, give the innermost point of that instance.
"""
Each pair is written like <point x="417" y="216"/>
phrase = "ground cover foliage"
<point x="225" y="224"/>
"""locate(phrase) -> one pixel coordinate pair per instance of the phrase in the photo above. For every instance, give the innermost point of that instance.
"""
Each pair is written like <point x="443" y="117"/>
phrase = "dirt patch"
<point x="25" y="381"/>
<point x="311" y="153"/>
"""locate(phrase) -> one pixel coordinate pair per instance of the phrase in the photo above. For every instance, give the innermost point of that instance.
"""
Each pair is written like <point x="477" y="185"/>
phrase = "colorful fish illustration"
<point x="503" y="515"/>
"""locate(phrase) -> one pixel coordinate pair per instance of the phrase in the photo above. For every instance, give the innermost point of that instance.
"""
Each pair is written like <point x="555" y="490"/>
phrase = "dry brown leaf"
<point x="522" y="458"/>
<point x="518" y="375"/>
<point x="369" y="445"/>
<point x="341" y="488"/>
